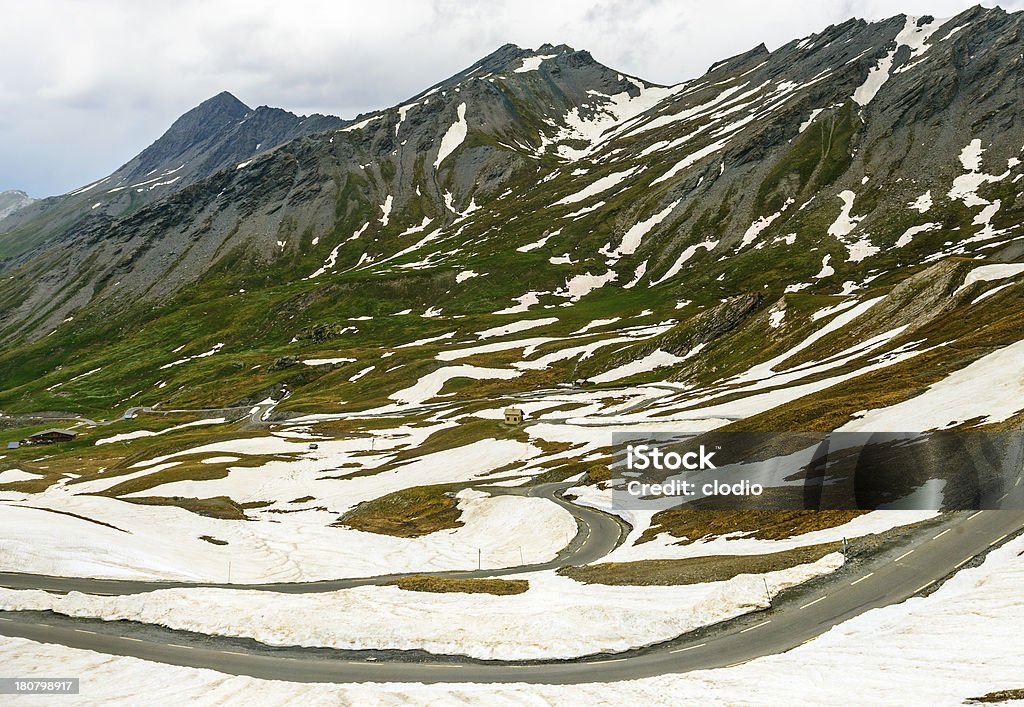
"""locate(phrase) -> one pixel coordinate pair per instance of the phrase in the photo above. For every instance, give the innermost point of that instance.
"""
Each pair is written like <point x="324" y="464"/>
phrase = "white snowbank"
<point x="543" y="622"/>
<point x="961" y="642"/>
<point x="164" y="542"/>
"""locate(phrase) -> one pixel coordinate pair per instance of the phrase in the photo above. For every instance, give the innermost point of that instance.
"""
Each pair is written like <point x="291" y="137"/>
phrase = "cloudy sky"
<point x="86" y="85"/>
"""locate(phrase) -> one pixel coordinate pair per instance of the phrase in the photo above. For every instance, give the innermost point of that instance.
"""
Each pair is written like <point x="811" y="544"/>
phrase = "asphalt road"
<point x="913" y="566"/>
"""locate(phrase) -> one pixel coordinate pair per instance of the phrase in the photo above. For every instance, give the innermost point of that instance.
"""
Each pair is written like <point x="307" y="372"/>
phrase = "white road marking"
<point x="129" y="638"/>
<point x="232" y="652"/>
<point x="739" y="663"/>
<point x="942" y="533"/>
<point x="963" y="562"/>
<point x="82" y="630"/>
<point x="858" y="581"/>
<point x="975" y="515"/>
<point x="823" y="598"/>
<point x="924" y="586"/>
<point x="765" y="623"/>
<point x="616" y="660"/>
<point x="3" y="619"/>
<point x="1003" y="497"/>
<point x="688" y="648"/>
<point x="905" y="554"/>
<point x="178" y="645"/>
<point x="998" y="540"/>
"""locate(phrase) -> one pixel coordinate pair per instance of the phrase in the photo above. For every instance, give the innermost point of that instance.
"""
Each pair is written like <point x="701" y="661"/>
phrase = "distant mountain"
<point x="217" y="134"/>
<point x="220" y="132"/>
<point x="11" y="201"/>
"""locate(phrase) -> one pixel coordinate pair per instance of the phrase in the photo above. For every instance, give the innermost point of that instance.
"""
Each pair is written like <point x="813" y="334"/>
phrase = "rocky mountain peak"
<point x="205" y="121"/>
<point x="13" y="200"/>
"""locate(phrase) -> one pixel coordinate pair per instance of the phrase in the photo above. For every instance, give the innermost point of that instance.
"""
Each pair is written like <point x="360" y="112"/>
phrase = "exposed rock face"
<point x="824" y="165"/>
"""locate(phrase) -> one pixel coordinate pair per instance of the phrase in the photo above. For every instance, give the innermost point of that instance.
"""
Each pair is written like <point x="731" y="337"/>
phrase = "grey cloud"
<point x="84" y="86"/>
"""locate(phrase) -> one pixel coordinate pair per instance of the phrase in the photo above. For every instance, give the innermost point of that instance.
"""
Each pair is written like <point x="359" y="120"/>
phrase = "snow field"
<point x="544" y="622"/>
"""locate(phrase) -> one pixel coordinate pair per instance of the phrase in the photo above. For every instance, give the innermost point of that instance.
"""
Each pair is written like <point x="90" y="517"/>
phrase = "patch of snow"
<point x="759" y="225"/>
<point x="810" y="119"/>
<point x="687" y="253"/>
<point x="211" y="352"/>
<point x="516" y="327"/>
<point x="386" y="210"/>
<point x="860" y="250"/>
<point x="597" y="187"/>
<point x="632" y="238"/>
<point x="327" y="361"/>
<point x="691" y="159"/>
<point x="581" y="285"/>
<point x="909" y="234"/>
<point x="532" y="63"/>
<point x="453" y="137"/>
<point x="637" y="275"/>
<point x="431" y="384"/>
<point x="845" y="223"/>
<point x="525" y="302"/>
<point x="11" y="476"/>
<point x="922" y="203"/>
<point x="138" y="434"/>
<point x="991" y="389"/>
<point x="988" y="273"/>
<point x="360" y="374"/>
<point x="650" y="362"/>
<point x="542" y="623"/>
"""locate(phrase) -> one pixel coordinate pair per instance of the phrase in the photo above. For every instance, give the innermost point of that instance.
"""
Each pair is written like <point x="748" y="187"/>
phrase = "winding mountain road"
<point x="597" y="534"/>
<point x="916" y="564"/>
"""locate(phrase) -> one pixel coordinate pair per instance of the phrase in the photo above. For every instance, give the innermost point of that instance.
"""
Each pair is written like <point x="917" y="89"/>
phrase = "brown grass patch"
<point x="1000" y="696"/>
<point x="219" y="507"/>
<point x="426" y="583"/>
<point x="694" y="570"/>
<point x="693" y="525"/>
<point x="409" y="513"/>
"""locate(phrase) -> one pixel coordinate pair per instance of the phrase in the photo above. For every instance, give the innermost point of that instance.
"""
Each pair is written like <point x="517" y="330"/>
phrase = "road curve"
<point x="597" y="534"/>
<point x="912" y="566"/>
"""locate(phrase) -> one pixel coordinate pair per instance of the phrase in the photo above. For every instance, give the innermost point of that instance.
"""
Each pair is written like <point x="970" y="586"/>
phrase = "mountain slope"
<point x="693" y="234"/>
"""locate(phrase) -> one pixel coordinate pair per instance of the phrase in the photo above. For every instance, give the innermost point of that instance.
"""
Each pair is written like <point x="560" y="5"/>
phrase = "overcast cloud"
<point x="86" y="85"/>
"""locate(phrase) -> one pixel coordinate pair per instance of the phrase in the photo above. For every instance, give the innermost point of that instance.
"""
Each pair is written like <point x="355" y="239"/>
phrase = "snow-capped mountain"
<point x="737" y="213"/>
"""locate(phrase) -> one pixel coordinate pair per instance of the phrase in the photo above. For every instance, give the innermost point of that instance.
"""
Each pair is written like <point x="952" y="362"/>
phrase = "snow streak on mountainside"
<point x="866" y="163"/>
